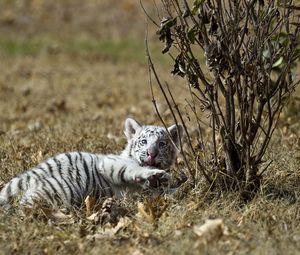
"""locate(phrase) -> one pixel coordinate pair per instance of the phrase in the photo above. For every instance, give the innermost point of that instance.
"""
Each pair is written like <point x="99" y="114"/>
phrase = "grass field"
<point x="70" y="74"/>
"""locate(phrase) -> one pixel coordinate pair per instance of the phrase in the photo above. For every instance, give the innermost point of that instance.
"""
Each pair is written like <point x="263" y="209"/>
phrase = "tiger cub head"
<point x="152" y="146"/>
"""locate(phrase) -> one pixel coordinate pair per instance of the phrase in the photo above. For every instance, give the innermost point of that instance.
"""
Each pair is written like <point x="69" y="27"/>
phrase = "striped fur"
<point x="69" y="177"/>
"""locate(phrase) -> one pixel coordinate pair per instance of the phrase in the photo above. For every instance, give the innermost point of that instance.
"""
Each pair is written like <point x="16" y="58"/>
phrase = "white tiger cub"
<point x="68" y="178"/>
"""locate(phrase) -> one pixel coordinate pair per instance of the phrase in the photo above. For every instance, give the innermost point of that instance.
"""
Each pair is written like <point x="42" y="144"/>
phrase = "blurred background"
<point x="34" y="26"/>
<point x="71" y="72"/>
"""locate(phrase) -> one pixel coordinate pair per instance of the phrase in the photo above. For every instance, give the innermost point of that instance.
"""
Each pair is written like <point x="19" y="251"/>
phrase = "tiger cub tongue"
<point x="150" y="161"/>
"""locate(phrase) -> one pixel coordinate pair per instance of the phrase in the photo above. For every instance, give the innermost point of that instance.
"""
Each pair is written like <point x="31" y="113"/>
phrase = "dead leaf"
<point x="146" y="212"/>
<point x="94" y="217"/>
<point x="110" y="212"/>
<point x="211" y="230"/>
<point x="38" y="157"/>
<point x="137" y="252"/>
<point x="113" y="137"/>
<point x="109" y="231"/>
<point x="152" y="209"/>
<point x="35" y="126"/>
<point x="59" y="215"/>
<point x="90" y="204"/>
<point x="43" y="212"/>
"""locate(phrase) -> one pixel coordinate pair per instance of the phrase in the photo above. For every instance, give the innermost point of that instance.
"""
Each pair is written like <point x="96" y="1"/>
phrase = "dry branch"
<point x="251" y="49"/>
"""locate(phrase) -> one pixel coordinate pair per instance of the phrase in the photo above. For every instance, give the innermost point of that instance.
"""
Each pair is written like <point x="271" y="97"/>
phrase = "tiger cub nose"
<point x="152" y="153"/>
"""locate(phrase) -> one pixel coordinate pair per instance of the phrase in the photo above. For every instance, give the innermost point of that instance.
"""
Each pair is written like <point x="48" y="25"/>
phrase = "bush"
<point x="251" y="48"/>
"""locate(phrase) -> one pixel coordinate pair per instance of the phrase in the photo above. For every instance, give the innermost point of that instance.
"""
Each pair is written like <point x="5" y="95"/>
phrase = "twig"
<point x="148" y="16"/>
<point x="152" y="68"/>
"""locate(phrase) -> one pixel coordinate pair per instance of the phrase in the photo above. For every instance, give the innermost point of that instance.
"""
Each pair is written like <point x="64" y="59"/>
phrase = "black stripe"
<point x="27" y="182"/>
<point x="74" y="190"/>
<point x="80" y="155"/>
<point x="44" y="173"/>
<point x="121" y="174"/>
<point x="72" y="198"/>
<point x="78" y="174"/>
<point x="48" y="195"/>
<point x="8" y="189"/>
<point x="44" y="170"/>
<point x="51" y="186"/>
<point x="72" y="181"/>
<point x="104" y="184"/>
<point x="57" y="195"/>
<point x="58" y="164"/>
<point x="20" y="186"/>
<point x="81" y="159"/>
<point x="69" y="169"/>
<point x="69" y="157"/>
<point x="97" y="179"/>
<point x="130" y="149"/>
<point x="59" y="169"/>
<point x="50" y="169"/>
<point x="97" y="193"/>
<point x="36" y="181"/>
<point x="98" y="176"/>
<point x="94" y="184"/>
<point x="61" y="187"/>
<point x="36" y="174"/>
<point x="96" y="188"/>
<point x="107" y="189"/>
<point x="45" y="191"/>
<point x="86" y="170"/>
<point x="38" y="195"/>
<point x="111" y="172"/>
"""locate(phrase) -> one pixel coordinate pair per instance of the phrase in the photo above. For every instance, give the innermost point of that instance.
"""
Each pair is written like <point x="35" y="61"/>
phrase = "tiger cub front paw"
<point x="153" y="178"/>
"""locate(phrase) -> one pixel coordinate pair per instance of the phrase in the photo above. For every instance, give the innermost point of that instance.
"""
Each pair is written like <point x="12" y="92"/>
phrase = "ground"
<point x="70" y="74"/>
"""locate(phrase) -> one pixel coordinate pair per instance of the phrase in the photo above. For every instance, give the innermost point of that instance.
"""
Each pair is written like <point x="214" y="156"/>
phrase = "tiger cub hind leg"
<point x="30" y="197"/>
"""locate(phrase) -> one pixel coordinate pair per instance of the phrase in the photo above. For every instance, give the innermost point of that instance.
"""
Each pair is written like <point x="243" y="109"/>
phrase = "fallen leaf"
<point x="35" y="126"/>
<point x="137" y="252"/>
<point x="38" y="157"/>
<point x="109" y="212"/>
<point x="211" y="230"/>
<point x="59" y="215"/>
<point x="43" y="212"/>
<point x="152" y="209"/>
<point x="94" y="217"/>
<point x="90" y="204"/>
<point x="146" y="212"/>
<point x="109" y="231"/>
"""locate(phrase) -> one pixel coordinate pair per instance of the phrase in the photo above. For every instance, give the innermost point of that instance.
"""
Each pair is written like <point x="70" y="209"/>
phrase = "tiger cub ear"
<point x="131" y="127"/>
<point x="176" y="133"/>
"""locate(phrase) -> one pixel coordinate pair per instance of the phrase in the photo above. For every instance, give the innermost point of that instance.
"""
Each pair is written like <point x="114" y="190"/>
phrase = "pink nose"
<point x="151" y="154"/>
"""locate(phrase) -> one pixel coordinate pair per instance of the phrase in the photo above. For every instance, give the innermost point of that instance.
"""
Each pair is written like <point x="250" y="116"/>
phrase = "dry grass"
<point x="59" y="101"/>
